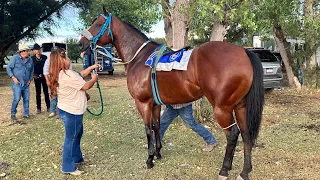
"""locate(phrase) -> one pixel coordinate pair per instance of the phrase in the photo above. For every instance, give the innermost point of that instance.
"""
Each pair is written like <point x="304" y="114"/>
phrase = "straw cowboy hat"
<point x="23" y="47"/>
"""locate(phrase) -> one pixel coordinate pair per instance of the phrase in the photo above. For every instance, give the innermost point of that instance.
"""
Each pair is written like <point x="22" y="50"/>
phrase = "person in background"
<point x="186" y="113"/>
<point x="54" y="99"/>
<point x="69" y="86"/>
<point x="39" y="79"/>
<point x="20" y="70"/>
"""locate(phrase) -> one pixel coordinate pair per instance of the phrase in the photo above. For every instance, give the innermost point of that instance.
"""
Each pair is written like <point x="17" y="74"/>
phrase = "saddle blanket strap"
<point x="154" y="85"/>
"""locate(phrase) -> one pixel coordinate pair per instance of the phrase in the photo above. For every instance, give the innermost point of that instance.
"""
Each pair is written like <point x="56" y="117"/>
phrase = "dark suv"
<point x="272" y="74"/>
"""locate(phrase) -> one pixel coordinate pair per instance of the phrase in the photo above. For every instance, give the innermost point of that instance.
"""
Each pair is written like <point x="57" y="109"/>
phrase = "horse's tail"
<point x="255" y="98"/>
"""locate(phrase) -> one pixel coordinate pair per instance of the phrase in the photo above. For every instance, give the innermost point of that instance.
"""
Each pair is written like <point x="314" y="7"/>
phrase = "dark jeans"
<point x="72" y="154"/>
<point x="38" y="82"/>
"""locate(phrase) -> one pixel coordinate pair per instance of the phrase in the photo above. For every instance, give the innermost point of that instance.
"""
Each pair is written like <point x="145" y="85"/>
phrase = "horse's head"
<point x="99" y="33"/>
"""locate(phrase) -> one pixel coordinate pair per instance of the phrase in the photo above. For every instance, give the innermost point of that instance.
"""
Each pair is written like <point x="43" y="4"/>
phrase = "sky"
<point x="70" y="22"/>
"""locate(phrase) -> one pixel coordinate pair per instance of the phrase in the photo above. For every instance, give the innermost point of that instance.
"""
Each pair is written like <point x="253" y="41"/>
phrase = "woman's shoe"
<point x="76" y="173"/>
<point x="52" y="114"/>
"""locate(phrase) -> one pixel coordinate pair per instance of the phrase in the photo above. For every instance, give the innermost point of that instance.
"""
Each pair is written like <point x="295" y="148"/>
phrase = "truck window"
<point x="46" y="47"/>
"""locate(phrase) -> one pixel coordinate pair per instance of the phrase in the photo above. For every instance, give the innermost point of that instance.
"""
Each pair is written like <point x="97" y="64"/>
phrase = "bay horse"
<point x="228" y="75"/>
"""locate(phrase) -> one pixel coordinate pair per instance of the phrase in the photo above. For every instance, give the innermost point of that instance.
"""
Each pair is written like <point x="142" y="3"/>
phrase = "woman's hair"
<point x="57" y="63"/>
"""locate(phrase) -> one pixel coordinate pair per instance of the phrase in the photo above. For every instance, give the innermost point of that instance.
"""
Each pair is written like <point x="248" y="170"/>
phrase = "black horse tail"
<point x="255" y="98"/>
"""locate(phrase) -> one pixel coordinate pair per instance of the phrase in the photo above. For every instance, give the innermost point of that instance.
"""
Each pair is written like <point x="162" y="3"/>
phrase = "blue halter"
<point x="107" y="24"/>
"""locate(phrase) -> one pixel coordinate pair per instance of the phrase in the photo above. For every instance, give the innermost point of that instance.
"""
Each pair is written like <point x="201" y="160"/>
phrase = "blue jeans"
<point x="18" y="92"/>
<point x="72" y="154"/>
<point x="186" y="115"/>
<point x="53" y="104"/>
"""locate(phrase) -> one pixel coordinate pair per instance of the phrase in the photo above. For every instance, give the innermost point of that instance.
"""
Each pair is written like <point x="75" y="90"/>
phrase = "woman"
<point x="72" y="102"/>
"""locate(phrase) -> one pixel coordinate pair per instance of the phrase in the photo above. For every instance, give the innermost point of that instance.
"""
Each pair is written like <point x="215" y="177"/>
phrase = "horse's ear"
<point x="104" y="10"/>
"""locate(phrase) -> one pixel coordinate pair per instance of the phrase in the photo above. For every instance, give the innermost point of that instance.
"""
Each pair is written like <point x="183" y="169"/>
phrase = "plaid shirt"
<point x="179" y="106"/>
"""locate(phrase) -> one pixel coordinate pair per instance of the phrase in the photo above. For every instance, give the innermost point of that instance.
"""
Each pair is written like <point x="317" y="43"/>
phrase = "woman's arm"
<point x="86" y="72"/>
<point x="89" y="84"/>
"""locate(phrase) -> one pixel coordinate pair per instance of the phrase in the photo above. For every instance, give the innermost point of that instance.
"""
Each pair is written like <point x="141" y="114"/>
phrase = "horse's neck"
<point x="127" y="41"/>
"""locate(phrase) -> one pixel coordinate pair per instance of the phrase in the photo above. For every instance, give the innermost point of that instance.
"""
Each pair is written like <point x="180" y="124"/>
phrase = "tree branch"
<point x="31" y="28"/>
<point x="166" y="9"/>
<point x="36" y="24"/>
<point x="236" y="4"/>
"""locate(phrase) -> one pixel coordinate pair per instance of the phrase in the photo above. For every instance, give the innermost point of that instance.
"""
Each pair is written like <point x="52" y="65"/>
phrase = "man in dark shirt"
<point x="38" y="61"/>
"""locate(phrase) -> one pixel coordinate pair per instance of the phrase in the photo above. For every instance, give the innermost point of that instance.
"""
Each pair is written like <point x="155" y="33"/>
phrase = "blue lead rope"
<point x="154" y="85"/>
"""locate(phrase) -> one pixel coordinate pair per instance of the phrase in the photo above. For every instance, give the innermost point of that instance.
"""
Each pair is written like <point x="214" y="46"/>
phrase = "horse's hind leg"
<point x="156" y="128"/>
<point x="232" y="135"/>
<point x="145" y="110"/>
<point x="240" y="112"/>
<point x="225" y="119"/>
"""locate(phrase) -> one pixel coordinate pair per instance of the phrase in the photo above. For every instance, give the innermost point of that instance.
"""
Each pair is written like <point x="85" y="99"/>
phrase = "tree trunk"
<point x="219" y="30"/>
<point x="169" y="32"/>
<point x="285" y="54"/>
<point x="179" y="25"/>
<point x="167" y="23"/>
<point x="5" y="50"/>
<point x="1" y="61"/>
<point x="310" y="45"/>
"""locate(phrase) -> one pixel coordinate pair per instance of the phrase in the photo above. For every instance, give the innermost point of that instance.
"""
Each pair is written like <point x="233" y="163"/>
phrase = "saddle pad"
<point x="177" y="60"/>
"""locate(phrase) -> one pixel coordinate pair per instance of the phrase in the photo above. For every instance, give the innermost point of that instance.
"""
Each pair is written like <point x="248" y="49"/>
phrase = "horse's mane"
<point x="136" y="30"/>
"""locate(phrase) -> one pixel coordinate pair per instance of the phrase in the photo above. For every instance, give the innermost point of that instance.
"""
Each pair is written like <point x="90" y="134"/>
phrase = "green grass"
<point x="114" y="143"/>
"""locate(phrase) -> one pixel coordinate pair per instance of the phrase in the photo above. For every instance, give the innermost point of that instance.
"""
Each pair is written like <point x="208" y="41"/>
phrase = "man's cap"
<point x="36" y="46"/>
<point x="23" y="47"/>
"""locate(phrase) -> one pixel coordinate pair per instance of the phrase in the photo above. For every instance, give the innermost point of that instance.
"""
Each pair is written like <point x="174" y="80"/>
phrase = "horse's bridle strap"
<point x="87" y="34"/>
<point x="106" y="26"/>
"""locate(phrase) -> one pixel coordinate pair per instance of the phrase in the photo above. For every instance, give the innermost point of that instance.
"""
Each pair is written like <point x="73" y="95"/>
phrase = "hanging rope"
<point x="101" y="102"/>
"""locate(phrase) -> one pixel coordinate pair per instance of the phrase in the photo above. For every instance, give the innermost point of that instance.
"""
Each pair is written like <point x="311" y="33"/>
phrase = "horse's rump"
<point x="214" y="68"/>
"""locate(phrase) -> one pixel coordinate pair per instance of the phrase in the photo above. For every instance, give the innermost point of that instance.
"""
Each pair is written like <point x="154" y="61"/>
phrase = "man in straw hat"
<point x="20" y="70"/>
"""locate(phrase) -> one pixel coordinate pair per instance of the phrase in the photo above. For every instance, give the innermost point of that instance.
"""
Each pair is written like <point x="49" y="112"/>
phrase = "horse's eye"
<point x="99" y="25"/>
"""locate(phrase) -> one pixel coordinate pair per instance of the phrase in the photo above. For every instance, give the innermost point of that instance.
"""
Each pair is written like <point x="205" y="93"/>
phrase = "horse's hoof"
<point x="239" y="178"/>
<point x="222" y="177"/>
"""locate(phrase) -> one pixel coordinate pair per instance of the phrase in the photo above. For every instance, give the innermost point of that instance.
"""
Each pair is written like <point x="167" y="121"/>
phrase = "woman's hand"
<point x="87" y="95"/>
<point x="48" y="84"/>
<point x="94" y="76"/>
<point x="94" y="66"/>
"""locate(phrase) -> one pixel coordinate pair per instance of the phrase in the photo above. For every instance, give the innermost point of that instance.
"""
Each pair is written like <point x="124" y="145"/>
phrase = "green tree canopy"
<point x="21" y="19"/>
<point x="73" y="49"/>
<point x="140" y="13"/>
<point x="235" y="14"/>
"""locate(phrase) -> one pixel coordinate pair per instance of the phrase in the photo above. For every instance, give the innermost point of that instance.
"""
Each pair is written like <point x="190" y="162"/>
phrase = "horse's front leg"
<point x="145" y="110"/>
<point x="156" y="126"/>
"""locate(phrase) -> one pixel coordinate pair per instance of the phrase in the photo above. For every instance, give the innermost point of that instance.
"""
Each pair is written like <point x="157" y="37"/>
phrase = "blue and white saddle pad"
<point x="178" y="60"/>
